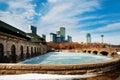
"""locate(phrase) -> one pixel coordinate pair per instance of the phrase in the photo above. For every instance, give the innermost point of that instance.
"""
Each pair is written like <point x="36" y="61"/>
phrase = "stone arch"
<point x="31" y="51"/>
<point x="1" y="53"/>
<point x="1" y="50"/>
<point x="21" y="52"/>
<point x="13" y="53"/>
<point x="35" y="51"/>
<point x="105" y="53"/>
<point x="95" y="52"/>
<point x="27" y="54"/>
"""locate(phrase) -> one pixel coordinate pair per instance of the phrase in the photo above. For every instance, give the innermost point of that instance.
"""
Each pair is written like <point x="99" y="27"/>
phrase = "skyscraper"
<point x="62" y="34"/>
<point x="53" y="37"/>
<point x="69" y="38"/>
<point x="88" y="37"/>
<point x="32" y="29"/>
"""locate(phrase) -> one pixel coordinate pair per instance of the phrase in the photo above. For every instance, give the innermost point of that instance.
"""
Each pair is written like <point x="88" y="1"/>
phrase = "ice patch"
<point x="65" y="58"/>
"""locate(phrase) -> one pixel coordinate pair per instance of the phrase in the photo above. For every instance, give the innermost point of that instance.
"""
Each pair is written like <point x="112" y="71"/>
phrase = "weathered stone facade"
<point x="15" y="47"/>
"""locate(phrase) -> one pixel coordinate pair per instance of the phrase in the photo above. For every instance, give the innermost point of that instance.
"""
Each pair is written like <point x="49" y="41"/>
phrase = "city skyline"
<point x="60" y="36"/>
<point x="78" y="16"/>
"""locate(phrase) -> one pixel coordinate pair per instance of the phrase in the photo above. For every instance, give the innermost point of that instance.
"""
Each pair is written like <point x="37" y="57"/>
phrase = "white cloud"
<point x="63" y="13"/>
<point x="109" y="27"/>
<point x="56" y="13"/>
<point x="19" y="13"/>
<point x="52" y="1"/>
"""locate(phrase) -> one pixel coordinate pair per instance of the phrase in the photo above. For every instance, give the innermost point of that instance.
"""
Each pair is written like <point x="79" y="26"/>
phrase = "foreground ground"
<point x="112" y="75"/>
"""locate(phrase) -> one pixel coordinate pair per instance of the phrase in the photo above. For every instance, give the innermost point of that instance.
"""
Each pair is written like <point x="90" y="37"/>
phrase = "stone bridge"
<point x="101" y="51"/>
<point x="96" y="51"/>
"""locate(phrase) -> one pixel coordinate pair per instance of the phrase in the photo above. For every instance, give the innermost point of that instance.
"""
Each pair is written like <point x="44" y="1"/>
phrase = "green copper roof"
<point x="34" y="37"/>
<point x="5" y="26"/>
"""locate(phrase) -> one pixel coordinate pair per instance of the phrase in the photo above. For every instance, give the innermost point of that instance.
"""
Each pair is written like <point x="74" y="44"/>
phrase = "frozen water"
<point x="65" y="58"/>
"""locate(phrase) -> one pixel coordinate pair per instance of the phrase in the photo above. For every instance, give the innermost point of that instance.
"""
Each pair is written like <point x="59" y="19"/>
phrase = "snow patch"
<point x="43" y="77"/>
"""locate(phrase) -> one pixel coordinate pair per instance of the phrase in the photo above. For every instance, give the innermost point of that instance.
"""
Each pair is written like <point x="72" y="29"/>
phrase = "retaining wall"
<point x="98" y="67"/>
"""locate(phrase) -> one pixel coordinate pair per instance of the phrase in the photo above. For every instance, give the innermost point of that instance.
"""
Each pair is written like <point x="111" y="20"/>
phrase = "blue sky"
<point x="78" y="16"/>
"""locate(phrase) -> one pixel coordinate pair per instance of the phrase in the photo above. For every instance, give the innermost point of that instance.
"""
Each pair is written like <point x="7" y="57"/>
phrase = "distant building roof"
<point x="62" y="28"/>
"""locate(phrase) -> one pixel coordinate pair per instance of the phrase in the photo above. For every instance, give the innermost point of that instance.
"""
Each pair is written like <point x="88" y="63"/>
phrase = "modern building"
<point x="62" y="34"/>
<point x="32" y="29"/>
<point x="88" y="37"/>
<point x="69" y="38"/>
<point x="59" y="37"/>
<point x="53" y="37"/>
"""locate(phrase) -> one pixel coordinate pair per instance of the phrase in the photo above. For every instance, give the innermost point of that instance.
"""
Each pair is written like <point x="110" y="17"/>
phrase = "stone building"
<point x="16" y="45"/>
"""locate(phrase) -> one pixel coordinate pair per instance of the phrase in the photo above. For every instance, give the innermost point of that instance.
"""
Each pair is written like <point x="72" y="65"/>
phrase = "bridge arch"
<point x="105" y="53"/>
<point x="95" y="52"/>
<point x="84" y="51"/>
<point x="89" y="51"/>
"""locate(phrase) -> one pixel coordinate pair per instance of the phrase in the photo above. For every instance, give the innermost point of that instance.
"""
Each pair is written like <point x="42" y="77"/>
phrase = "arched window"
<point x="21" y="52"/>
<point x="13" y="53"/>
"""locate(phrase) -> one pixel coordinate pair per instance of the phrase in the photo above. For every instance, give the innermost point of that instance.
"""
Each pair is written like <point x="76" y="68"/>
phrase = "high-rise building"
<point x="32" y="29"/>
<point x="59" y="37"/>
<point x="53" y="37"/>
<point x="88" y="37"/>
<point x="69" y="38"/>
<point x="62" y="34"/>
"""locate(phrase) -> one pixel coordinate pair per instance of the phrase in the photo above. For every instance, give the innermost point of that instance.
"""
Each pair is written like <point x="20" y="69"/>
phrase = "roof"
<point x="35" y="38"/>
<point x="4" y="27"/>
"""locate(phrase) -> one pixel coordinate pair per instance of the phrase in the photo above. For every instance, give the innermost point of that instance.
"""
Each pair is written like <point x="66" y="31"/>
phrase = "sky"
<point x="79" y="17"/>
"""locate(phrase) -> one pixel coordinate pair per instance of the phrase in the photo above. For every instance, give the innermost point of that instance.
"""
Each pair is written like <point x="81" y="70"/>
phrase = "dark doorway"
<point x="35" y="51"/>
<point x="21" y="53"/>
<point x="13" y="53"/>
<point x="1" y="53"/>
<point x="31" y="51"/>
<point x="27" y="54"/>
